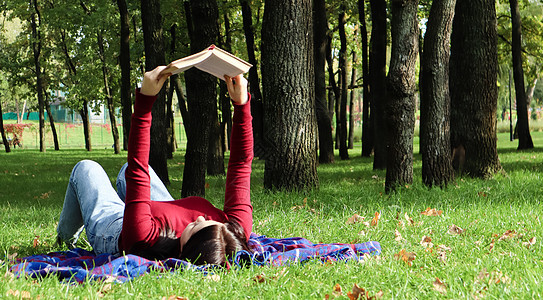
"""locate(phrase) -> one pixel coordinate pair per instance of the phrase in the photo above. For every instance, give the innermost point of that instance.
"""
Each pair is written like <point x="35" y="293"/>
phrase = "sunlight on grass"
<point x="490" y="258"/>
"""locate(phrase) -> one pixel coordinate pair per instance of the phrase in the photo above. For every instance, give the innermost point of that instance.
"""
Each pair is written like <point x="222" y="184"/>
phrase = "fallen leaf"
<point x="507" y="235"/>
<point x="337" y="289"/>
<point x="174" y="297"/>
<point x="213" y="277"/>
<point x="357" y="291"/>
<point x="379" y="294"/>
<point x="12" y="256"/>
<point x="492" y="245"/>
<point x="397" y="235"/>
<point x="259" y="278"/>
<point x="375" y="219"/>
<point x="409" y="220"/>
<point x="426" y="242"/>
<point x="455" y="230"/>
<point x="440" y="286"/>
<point x="36" y="241"/>
<point x="407" y="257"/>
<point x="19" y="294"/>
<point x="354" y="219"/>
<point x="432" y="212"/>
<point x="529" y="243"/>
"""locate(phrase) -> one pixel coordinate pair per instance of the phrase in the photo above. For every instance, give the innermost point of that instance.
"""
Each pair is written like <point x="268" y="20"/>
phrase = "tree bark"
<point x="367" y="126"/>
<point x="151" y="21"/>
<point x="324" y="123"/>
<point x="342" y="124"/>
<point x="201" y="98"/>
<point x="224" y="99"/>
<point x="2" y="132"/>
<point x="377" y="66"/>
<point x="51" y="122"/>
<point x="288" y="86"/>
<point x="124" y="61"/>
<point x="109" y="97"/>
<point x="84" y="113"/>
<point x="435" y="135"/>
<point x="352" y="97"/>
<point x="254" y="82"/>
<point x="36" y="49"/>
<point x="401" y="85"/>
<point x="473" y="88"/>
<point x="523" y="127"/>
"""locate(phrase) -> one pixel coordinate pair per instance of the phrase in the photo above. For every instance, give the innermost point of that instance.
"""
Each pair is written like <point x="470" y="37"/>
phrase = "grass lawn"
<point x="496" y="256"/>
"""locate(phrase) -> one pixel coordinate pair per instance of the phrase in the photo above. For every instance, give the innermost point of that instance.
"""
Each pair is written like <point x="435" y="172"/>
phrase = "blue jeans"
<point x="92" y="203"/>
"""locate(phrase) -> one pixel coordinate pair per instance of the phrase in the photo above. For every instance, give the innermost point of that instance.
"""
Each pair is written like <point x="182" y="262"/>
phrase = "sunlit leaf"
<point x="440" y="286"/>
<point x="432" y="212"/>
<point x="397" y="235"/>
<point x="529" y="243"/>
<point x="36" y="241"/>
<point x="455" y="230"/>
<point x="507" y="235"/>
<point x="407" y="257"/>
<point x="354" y="219"/>
<point x="426" y="242"/>
<point x="375" y="219"/>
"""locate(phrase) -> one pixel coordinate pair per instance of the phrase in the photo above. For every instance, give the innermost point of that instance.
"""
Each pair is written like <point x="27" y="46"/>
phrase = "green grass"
<point x="478" y="265"/>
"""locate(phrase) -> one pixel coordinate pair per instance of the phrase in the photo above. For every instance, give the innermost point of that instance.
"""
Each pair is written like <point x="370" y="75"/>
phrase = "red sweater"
<point x="145" y="219"/>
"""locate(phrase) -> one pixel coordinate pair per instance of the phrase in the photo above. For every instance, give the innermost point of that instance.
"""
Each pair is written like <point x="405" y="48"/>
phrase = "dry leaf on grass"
<point x="174" y="297"/>
<point x="19" y="294"/>
<point x="432" y="212"/>
<point x="375" y="219"/>
<point x="337" y="290"/>
<point x="407" y="257"/>
<point x="354" y="219"/>
<point x="508" y="234"/>
<point x="455" y="230"/>
<point x="529" y="243"/>
<point x="213" y="277"/>
<point x="259" y="278"/>
<point x="493" y="277"/>
<point x="440" y="286"/>
<point x="397" y="236"/>
<point x="426" y="242"/>
<point x="36" y="241"/>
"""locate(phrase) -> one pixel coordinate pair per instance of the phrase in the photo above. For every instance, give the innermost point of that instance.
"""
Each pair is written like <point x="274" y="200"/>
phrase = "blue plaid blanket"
<point x="78" y="265"/>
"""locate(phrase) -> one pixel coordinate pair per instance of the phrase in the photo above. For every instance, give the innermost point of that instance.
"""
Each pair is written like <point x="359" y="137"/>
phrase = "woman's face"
<point x="194" y="227"/>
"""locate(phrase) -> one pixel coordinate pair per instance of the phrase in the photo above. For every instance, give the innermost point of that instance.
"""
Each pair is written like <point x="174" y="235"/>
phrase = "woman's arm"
<point x="138" y="225"/>
<point x="237" y="204"/>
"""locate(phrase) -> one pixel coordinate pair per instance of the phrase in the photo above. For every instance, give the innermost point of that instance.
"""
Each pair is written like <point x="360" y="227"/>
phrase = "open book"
<point x="212" y="60"/>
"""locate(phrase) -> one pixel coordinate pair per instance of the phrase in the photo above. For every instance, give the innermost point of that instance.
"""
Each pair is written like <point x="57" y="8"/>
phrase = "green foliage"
<point x="492" y="258"/>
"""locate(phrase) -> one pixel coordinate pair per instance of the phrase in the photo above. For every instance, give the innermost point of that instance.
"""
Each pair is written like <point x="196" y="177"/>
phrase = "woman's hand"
<point x="153" y="81"/>
<point x="237" y="88"/>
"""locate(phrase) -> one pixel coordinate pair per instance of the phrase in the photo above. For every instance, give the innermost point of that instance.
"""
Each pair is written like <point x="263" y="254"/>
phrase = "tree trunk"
<point x="201" y="98"/>
<point x="151" y="21"/>
<point x="435" y="135"/>
<point x="51" y="122"/>
<point x="254" y="82"/>
<point x="109" y="97"/>
<point x="170" y="122"/>
<point x="181" y="102"/>
<point x="377" y="66"/>
<point x="224" y="99"/>
<point x="84" y="113"/>
<point x="36" y="49"/>
<point x="124" y="61"/>
<point x="342" y="124"/>
<point x="401" y="86"/>
<point x="320" y="31"/>
<point x="2" y="132"/>
<point x="352" y="97"/>
<point x="288" y="86"/>
<point x="473" y="88"/>
<point x="336" y="93"/>
<point x="523" y="127"/>
<point x="367" y="126"/>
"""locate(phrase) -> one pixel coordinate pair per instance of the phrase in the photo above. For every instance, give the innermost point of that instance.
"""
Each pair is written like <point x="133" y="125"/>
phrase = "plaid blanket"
<point x="78" y="265"/>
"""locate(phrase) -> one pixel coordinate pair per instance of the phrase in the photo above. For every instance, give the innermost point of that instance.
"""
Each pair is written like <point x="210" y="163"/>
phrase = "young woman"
<point x="141" y="217"/>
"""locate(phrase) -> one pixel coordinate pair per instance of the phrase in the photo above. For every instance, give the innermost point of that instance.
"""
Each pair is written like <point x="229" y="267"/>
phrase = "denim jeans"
<point x="92" y="203"/>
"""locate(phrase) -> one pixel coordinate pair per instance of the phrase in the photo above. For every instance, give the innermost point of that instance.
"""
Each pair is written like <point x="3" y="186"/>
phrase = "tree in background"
<point x="288" y="90"/>
<point x="367" y="125"/>
<point x="201" y="96"/>
<point x="341" y="130"/>
<point x="124" y="62"/>
<point x="523" y="128"/>
<point x="377" y="66"/>
<point x="435" y="137"/>
<point x="474" y="93"/>
<point x="401" y="85"/>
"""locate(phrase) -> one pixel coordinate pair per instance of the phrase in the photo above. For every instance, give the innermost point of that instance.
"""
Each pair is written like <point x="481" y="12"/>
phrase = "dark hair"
<point x="166" y="246"/>
<point x="215" y="244"/>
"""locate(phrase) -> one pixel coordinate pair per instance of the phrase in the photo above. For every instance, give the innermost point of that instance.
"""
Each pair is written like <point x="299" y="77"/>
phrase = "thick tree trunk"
<point x="435" y="135"/>
<point x="124" y="60"/>
<point x="474" y="93"/>
<point x="109" y="97"/>
<point x="84" y="113"/>
<point x="523" y="128"/>
<point x="2" y="132"/>
<point x="51" y="122"/>
<point x="320" y="32"/>
<point x="36" y="49"/>
<point x="401" y="85"/>
<point x="378" y="80"/>
<point x="254" y="82"/>
<point x="201" y="96"/>
<point x="151" y="21"/>
<point x="288" y="86"/>
<point x="342" y="124"/>
<point x="367" y="126"/>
